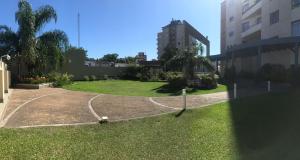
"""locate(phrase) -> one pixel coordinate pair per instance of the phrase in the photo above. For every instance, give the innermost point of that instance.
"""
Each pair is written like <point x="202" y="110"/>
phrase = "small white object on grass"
<point x="104" y="119"/>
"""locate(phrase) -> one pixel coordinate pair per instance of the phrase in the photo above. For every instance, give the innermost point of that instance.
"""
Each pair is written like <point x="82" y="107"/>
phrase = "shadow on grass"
<point x="180" y="113"/>
<point x="172" y="91"/>
<point x="267" y="126"/>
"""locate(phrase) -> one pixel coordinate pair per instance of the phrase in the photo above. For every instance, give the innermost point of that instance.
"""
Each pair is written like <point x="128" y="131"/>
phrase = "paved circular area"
<point x="56" y="107"/>
<point x="123" y="108"/>
<point x="61" y="108"/>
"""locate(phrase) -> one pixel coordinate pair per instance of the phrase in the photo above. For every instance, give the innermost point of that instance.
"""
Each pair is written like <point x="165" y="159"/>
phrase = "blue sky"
<point x="124" y="26"/>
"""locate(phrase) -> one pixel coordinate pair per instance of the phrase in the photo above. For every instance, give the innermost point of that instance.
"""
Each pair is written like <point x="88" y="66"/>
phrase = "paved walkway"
<point x="58" y="107"/>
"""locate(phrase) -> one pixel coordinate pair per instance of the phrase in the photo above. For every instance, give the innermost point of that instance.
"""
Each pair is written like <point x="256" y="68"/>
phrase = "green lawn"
<point x="264" y="127"/>
<point x="134" y="88"/>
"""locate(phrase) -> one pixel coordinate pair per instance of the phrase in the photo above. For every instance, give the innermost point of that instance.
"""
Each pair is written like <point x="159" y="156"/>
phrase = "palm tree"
<point x="36" y="52"/>
<point x="188" y="58"/>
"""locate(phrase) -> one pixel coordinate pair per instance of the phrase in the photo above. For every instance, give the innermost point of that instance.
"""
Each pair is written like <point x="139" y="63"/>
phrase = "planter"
<point x="33" y="86"/>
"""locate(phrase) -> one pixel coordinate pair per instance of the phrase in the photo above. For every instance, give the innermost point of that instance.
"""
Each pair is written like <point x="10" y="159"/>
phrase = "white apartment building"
<point x="180" y="34"/>
<point x="257" y="32"/>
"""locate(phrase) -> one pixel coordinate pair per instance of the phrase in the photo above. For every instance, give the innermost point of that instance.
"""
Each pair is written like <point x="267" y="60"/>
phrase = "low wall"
<point x="99" y="72"/>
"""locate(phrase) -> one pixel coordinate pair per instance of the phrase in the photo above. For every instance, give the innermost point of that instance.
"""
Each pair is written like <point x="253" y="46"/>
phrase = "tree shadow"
<point x="266" y="126"/>
<point x="175" y="91"/>
<point x="180" y="113"/>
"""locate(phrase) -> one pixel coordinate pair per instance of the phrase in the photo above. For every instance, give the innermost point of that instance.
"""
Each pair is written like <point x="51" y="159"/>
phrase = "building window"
<point x="296" y="28"/>
<point x="245" y="26"/>
<point x="295" y="3"/>
<point x="231" y="34"/>
<point x="231" y="19"/>
<point x="274" y="17"/>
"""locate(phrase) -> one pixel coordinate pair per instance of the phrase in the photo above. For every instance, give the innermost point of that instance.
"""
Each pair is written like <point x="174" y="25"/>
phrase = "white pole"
<point x="234" y="91"/>
<point x="269" y="86"/>
<point x="184" y="98"/>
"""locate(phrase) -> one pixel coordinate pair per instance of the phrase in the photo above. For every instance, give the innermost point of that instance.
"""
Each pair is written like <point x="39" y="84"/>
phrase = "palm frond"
<point x="44" y="15"/>
<point x="205" y="62"/>
<point x="55" y="37"/>
<point x="8" y="41"/>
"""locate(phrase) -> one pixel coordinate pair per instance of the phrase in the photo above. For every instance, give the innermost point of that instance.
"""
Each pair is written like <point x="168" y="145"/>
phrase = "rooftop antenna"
<point x="78" y="21"/>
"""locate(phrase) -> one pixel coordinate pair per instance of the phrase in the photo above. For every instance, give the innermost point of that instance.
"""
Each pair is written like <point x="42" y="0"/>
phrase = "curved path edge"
<point x="57" y="125"/>
<point x="162" y="105"/>
<point x="4" y="121"/>
<point x="92" y="109"/>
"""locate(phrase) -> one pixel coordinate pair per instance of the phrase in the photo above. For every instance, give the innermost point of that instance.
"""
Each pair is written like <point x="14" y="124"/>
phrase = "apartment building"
<point x="257" y="32"/>
<point x="141" y="56"/>
<point x="181" y="35"/>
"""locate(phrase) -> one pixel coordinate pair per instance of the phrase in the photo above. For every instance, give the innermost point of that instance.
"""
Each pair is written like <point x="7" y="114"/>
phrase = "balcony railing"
<point x="247" y="9"/>
<point x="251" y="26"/>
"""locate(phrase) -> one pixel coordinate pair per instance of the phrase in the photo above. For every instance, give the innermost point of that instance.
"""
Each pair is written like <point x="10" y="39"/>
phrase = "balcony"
<point x="252" y="9"/>
<point x="252" y="29"/>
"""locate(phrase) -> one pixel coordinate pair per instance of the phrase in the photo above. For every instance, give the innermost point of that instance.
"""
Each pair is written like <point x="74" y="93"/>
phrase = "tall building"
<point x="180" y="34"/>
<point x="257" y="32"/>
<point x="141" y="56"/>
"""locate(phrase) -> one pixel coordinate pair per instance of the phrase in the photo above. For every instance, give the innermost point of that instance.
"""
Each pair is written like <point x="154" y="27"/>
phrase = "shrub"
<point x="176" y="80"/>
<point x="63" y="79"/>
<point x="35" y="80"/>
<point x="86" y="78"/>
<point x="272" y="72"/>
<point x="93" y="78"/>
<point x="149" y="74"/>
<point x="208" y="81"/>
<point x="106" y="77"/>
<point x="162" y="75"/>
<point x="131" y="73"/>
<point x="53" y="76"/>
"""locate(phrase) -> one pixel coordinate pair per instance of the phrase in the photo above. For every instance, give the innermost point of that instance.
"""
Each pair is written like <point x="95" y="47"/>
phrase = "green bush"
<point x="162" y="75"/>
<point x="208" y="81"/>
<point x="131" y="73"/>
<point x="176" y="80"/>
<point x="86" y="78"/>
<point x="93" y="78"/>
<point x="272" y="72"/>
<point x="35" y="80"/>
<point x="53" y="76"/>
<point x="106" y="77"/>
<point x="149" y="74"/>
<point x="62" y="79"/>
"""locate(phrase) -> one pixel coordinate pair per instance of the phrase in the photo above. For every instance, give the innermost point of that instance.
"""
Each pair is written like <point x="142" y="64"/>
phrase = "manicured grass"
<point x="264" y="127"/>
<point x="133" y="88"/>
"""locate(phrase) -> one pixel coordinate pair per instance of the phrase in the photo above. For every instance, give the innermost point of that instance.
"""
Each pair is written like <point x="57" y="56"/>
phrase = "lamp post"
<point x="6" y="56"/>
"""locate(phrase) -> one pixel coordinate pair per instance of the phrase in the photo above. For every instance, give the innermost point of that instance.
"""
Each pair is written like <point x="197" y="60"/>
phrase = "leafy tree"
<point x="37" y="52"/>
<point x="76" y="55"/>
<point x="130" y="60"/>
<point x="187" y="59"/>
<point x="110" y="57"/>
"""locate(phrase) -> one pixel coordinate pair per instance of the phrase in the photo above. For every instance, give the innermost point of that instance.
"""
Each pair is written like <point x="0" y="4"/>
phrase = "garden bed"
<point x="33" y="86"/>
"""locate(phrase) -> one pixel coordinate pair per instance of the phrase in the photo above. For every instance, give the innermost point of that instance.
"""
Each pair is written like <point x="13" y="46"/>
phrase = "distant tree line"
<point x="114" y="58"/>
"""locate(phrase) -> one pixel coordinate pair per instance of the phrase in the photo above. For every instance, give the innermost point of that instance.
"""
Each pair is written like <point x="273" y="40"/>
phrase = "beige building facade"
<point x="181" y="35"/>
<point x="257" y="32"/>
